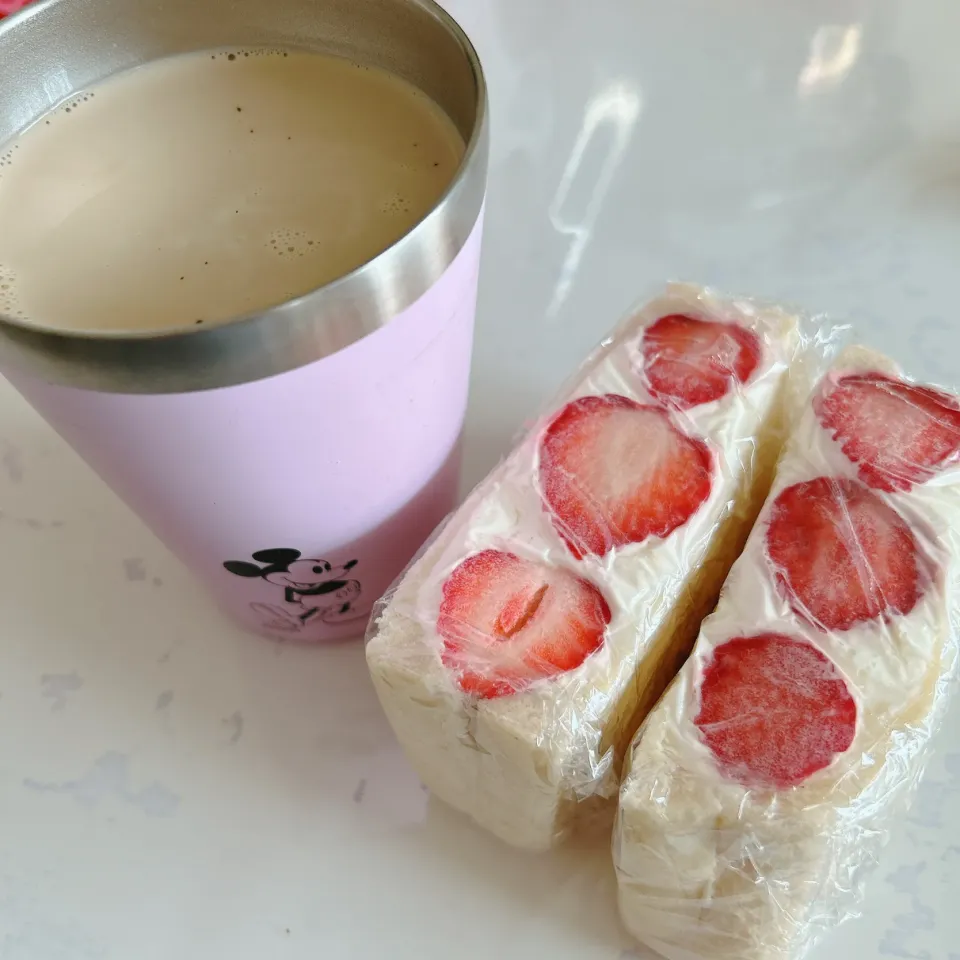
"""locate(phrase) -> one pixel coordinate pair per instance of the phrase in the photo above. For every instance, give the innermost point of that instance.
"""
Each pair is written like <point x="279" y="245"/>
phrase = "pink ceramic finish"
<point x="296" y="499"/>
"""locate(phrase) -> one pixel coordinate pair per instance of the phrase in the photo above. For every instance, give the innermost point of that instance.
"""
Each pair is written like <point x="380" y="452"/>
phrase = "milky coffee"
<point x="207" y="186"/>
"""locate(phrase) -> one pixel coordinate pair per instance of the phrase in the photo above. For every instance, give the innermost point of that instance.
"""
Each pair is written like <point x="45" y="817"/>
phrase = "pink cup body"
<point x="297" y="499"/>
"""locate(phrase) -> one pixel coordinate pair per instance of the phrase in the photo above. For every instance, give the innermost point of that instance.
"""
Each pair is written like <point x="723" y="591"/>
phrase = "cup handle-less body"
<point x="296" y="499"/>
<point x="294" y="458"/>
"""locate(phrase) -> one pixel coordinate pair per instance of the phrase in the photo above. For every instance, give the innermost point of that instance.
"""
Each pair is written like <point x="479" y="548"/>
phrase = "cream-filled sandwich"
<point x="762" y="785"/>
<point x="517" y="655"/>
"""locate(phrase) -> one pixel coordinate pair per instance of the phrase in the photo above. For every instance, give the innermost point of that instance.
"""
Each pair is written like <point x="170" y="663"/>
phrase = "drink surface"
<point x="210" y="185"/>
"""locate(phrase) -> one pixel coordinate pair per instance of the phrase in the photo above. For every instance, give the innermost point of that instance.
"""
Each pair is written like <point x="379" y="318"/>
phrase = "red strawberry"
<point x="774" y="710"/>
<point x="898" y="434"/>
<point x="507" y="622"/>
<point x="614" y="472"/>
<point x="842" y="555"/>
<point x="689" y="361"/>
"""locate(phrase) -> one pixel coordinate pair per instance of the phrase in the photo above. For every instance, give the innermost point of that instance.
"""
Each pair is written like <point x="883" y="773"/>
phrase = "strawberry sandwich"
<point x="761" y="786"/>
<point x="518" y="654"/>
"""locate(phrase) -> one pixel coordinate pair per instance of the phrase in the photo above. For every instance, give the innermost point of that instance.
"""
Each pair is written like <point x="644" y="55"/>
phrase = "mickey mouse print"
<point x="312" y="589"/>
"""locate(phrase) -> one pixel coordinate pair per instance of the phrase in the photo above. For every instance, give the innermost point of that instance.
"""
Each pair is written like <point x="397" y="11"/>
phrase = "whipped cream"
<point x="709" y="868"/>
<point x="521" y="765"/>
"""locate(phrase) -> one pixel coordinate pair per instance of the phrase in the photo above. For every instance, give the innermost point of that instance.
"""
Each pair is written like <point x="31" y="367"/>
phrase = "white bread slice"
<point x="712" y="867"/>
<point x="530" y="765"/>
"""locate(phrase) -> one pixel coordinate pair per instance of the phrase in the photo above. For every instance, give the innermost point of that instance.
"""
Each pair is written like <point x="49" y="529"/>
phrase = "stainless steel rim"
<point x="300" y="331"/>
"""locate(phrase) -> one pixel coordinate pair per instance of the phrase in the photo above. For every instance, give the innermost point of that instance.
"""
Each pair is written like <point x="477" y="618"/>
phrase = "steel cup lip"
<point x="290" y="335"/>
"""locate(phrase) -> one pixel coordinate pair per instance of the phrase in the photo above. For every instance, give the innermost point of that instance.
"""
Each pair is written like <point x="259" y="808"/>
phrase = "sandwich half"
<point x="761" y="787"/>
<point x="517" y="655"/>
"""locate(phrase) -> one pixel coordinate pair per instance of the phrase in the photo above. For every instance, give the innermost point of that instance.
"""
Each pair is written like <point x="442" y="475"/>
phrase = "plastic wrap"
<point x="517" y="655"/>
<point x="760" y="790"/>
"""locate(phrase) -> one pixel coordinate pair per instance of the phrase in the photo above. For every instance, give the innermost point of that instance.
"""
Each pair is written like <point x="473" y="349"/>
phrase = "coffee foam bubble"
<point x="7" y="157"/>
<point x="291" y="243"/>
<point x="396" y="204"/>
<point x="9" y="296"/>
<point x="233" y="54"/>
<point x="78" y="101"/>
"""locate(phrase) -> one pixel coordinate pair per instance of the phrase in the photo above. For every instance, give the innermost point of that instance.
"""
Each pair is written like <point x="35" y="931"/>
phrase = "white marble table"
<point x="171" y="788"/>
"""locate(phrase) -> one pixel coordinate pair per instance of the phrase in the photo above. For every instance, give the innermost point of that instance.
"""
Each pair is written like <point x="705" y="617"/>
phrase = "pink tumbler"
<point x="295" y="459"/>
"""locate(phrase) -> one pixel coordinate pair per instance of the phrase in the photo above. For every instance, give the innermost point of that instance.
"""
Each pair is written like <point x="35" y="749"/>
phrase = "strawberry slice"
<point x="898" y="434"/>
<point x="614" y="472"/>
<point x="507" y="622"/>
<point x="842" y="555"/>
<point x="774" y="710"/>
<point x="688" y="361"/>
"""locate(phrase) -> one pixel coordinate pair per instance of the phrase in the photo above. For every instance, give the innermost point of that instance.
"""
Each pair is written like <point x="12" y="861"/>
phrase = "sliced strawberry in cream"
<point x="774" y="710"/>
<point x="688" y="362"/>
<point x="507" y="622"/>
<point x="898" y="434"/>
<point x="842" y="554"/>
<point x="614" y="472"/>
